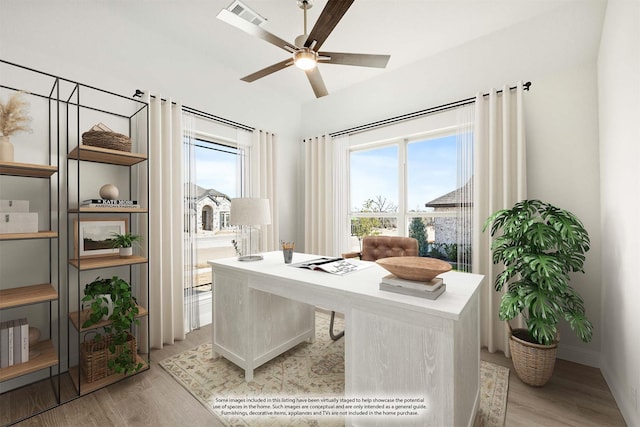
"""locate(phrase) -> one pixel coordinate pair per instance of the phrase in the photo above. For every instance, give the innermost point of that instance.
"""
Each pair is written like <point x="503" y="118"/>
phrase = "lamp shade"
<point x="250" y="211"/>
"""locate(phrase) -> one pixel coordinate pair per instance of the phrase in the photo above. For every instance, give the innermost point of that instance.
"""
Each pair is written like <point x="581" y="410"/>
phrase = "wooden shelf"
<point x="32" y="294"/>
<point x="109" y="210"/>
<point x="47" y="357"/>
<point x="85" y="388"/>
<point x="22" y="236"/>
<point x="107" y="261"/>
<point x="84" y="315"/>
<point x="27" y="169"/>
<point x="105" y="155"/>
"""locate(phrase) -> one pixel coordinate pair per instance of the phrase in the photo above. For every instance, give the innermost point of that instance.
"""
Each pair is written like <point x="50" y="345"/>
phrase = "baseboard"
<point x="579" y="355"/>
<point x="622" y="396"/>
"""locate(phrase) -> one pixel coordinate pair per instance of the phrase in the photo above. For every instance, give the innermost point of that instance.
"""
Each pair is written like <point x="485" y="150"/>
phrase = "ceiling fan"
<point x="305" y="51"/>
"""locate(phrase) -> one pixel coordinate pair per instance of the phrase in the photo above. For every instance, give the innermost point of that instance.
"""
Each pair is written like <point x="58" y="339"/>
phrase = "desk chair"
<point x="374" y="248"/>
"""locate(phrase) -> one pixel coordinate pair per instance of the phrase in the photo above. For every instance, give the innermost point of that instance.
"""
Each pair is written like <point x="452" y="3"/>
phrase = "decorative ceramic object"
<point x="34" y="336"/>
<point x="420" y="269"/>
<point x="109" y="192"/>
<point x="106" y="301"/>
<point x="6" y="149"/>
<point x="126" y="252"/>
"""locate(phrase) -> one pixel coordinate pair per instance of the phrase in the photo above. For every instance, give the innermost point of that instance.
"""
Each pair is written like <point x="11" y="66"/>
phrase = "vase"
<point x="105" y="301"/>
<point x="126" y="252"/>
<point x="108" y="302"/>
<point x="34" y="336"/>
<point x="6" y="149"/>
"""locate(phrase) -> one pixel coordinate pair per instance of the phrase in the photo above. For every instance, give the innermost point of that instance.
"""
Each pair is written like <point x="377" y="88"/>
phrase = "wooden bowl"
<point x="419" y="269"/>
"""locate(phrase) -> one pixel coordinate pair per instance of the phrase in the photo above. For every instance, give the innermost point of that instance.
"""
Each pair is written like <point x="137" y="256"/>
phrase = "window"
<point x="216" y="184"/>
<point x="408" y="187"/>
<point x="213" y="168"/>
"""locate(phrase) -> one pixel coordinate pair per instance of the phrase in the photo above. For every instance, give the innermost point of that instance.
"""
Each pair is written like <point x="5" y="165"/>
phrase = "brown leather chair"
<point x="378" y="247"/>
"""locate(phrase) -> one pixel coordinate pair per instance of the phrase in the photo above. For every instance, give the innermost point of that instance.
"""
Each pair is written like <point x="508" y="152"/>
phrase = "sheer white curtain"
<point x="464" y="196"/>
<point x="326" y="195"/>
<point x="499" y="182"/>
<point x="166" y="223"/>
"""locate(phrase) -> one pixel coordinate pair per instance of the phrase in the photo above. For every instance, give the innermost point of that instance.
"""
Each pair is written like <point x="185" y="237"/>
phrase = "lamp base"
<point x="250" y="258"/>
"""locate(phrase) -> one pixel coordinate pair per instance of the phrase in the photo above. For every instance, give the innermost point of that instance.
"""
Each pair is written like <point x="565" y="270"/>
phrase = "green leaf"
<point x="542" y="330"/>
<point x="510" y="306"/>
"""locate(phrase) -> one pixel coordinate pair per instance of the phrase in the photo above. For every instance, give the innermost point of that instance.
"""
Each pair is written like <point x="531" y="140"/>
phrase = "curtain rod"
<point x="204" y="114"/>
<point x="415" y="114"/>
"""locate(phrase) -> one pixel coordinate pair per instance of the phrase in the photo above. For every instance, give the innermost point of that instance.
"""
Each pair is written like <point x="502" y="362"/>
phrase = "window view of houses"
<point x="216" y="184"/>
<point x="410" y="188"/>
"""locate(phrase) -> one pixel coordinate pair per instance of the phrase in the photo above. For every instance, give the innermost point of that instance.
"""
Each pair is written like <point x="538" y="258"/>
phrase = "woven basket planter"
<point x="95" y="356"/>
<point x="534" y="363"/>
<point x="111" y="140"/>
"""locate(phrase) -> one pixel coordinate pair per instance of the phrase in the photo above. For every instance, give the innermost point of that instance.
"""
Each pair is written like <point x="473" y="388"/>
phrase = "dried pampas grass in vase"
<point x="14" y="117"/>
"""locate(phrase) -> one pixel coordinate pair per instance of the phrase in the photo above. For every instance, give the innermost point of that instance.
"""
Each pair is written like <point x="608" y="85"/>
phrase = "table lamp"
<point x="247" y="213"/>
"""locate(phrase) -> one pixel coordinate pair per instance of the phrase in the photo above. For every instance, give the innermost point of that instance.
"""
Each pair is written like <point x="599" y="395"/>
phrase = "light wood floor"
<point x="575" y="396"/>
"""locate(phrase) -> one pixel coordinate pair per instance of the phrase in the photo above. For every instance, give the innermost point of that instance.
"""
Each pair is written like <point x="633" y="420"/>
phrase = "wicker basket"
<point x="534" y="363"/>
<point x="95" y="356"/>
<point x="112" y="140"/>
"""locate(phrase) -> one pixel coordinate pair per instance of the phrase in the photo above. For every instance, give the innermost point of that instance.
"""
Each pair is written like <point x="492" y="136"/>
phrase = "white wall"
<point x="619" y="96"/>
<point x="561" y="115"/>
<point x="114" y="46"/>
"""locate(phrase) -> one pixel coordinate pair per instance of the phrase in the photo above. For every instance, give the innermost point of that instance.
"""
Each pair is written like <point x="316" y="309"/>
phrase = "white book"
<point x="4" y="345"/>
<point x="432" y="285"/>
<point x="414" y="292"/>
<point x="10" y="327"/>
<point x="102" y="205"/>
<point x="24" y="335"/>
<point x="17" y="342"/>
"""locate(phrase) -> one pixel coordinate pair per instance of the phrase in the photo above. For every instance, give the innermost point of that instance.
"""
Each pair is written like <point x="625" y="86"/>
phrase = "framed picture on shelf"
<point x="94" y="237"/>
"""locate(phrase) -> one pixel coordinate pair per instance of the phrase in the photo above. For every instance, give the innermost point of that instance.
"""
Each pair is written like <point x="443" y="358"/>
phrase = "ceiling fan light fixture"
<point x="305" y="59"/>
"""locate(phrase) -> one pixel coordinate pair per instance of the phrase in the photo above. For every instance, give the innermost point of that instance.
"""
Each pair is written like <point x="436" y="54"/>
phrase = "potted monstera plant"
<point x="112" y="300"/>
<point x="539" y="245"/>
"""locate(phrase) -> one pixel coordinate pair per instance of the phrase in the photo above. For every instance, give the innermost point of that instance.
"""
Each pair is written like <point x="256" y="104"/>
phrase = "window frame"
<point x="403" y="215"/>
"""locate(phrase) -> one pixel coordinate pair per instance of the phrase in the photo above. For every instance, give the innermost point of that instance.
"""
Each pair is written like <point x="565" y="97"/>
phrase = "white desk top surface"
<point x="360" y="285"/>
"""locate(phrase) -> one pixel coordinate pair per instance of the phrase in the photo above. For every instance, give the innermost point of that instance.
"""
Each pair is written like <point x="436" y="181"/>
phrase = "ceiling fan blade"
<point x="254" y="30"/>
<point x="332" y="13"/>
<point x="357" y="59"/>
<point x="317" y="84"/>
<point x="269" y="70"/>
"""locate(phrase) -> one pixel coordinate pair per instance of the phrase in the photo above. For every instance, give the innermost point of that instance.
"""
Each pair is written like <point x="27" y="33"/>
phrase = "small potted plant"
<point x="539" y="245"/>
<point x="125" y="242"/>
<point x="120" y="317"/>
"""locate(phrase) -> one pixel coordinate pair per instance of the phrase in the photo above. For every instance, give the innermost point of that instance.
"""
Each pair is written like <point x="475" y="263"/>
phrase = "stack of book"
<point x="430" y="290"/>
<point x="14" y="342"/>
<point x="105" y="203"/>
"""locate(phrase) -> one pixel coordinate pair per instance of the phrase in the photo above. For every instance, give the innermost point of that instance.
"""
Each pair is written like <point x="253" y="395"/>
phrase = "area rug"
<point x="302" y="374"/>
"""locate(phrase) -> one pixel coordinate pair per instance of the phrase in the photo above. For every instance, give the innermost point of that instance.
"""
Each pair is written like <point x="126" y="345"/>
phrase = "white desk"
<point x="395" y="345"/>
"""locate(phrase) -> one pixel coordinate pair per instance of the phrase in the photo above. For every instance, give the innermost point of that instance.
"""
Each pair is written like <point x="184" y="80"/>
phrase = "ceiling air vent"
<point x="244" y="12"/>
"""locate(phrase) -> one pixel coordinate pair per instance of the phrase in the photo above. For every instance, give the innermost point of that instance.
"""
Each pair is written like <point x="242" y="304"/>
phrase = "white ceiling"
<point x="407" y="30"/>
<point x="169" y="36"/>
